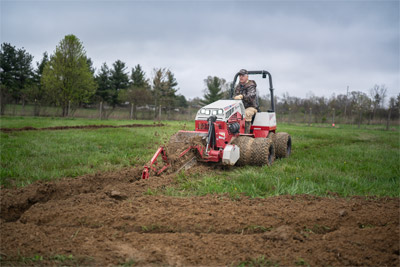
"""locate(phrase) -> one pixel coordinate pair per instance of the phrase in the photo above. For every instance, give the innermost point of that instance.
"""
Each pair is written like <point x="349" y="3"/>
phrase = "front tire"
<point x="263" y="152"/>
<point x="245" y="145"/>
<point x="283" y="145"/>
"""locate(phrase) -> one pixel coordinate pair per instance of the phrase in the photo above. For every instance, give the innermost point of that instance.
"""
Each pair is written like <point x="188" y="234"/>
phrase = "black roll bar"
<point x="264" y="74"/>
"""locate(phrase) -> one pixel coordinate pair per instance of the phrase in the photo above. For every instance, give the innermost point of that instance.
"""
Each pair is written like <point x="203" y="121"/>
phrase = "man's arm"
<point x="238" y="95"/>
<point x="251" y="92"/>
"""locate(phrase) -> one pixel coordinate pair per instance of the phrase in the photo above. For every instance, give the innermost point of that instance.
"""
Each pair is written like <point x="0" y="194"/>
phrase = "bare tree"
<point x="378" y="95"/>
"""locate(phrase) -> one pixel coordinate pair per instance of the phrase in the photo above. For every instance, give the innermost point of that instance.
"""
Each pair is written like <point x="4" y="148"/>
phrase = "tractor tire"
<point x="245" y="145"/>
<point x="263" y="152"/>
<point x="272" y="136"/>
<point x="283" y="145"/>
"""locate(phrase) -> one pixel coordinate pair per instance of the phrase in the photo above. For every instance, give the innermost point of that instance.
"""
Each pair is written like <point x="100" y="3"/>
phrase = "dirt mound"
<point x="114" y="218"/>
<point x="180" y="153"/>
<point x="29" y="128"/>
<point x="180" y="142"/>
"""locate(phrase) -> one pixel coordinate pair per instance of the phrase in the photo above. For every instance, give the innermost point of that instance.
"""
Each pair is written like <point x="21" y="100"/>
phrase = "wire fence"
<point x="180" y="114"/>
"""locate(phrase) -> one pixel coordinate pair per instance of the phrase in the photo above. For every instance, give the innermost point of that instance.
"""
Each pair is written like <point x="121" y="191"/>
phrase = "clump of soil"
<point x="29" y="128"/>
<point x="181" y="141"/>
<point x="113" y="218"/>
<point x="180" y="151"/>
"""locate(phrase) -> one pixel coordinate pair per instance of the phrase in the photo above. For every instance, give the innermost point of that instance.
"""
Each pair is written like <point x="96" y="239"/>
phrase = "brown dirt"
<point x="177" y="144"/>
<point x="93" y="127"/>
<point x="108" y="219"/>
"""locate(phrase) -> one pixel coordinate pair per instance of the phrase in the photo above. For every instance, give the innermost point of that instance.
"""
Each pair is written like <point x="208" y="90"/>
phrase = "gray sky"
<point x="308" y="46"/>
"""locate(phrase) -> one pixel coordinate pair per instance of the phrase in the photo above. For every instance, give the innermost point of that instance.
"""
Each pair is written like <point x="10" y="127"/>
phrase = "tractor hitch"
<point x="152" y="165"/>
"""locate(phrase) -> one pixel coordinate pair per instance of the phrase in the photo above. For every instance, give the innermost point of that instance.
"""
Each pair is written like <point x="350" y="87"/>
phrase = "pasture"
<point x="70" y="195"/>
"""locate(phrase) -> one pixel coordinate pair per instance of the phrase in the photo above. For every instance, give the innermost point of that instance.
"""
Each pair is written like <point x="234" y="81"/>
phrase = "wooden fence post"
<point x="131" y="115"/>
<point x="101" y="109"/>
<point x="388" y="119"/>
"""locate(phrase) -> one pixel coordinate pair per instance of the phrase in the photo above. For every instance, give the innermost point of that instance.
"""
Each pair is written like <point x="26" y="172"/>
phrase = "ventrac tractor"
<point x="221" y="127"/>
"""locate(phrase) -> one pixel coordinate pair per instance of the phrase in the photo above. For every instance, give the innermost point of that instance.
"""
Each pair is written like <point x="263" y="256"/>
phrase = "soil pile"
<point x="113" y="218"/>
<point x="181" y="153"/>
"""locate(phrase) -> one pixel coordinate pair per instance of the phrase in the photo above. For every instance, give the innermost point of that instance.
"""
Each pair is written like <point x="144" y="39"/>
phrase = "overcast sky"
<point x="307" y="46"/>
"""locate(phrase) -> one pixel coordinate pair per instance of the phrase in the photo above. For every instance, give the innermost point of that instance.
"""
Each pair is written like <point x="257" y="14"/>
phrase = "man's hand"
<point x="238" y="97"/>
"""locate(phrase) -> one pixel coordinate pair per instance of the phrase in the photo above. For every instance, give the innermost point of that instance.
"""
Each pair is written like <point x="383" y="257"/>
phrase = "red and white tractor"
<point x="221" y="126"/>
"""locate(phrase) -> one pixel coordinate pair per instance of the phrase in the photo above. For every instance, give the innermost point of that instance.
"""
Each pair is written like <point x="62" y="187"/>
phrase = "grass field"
<point x="342" y="161"/>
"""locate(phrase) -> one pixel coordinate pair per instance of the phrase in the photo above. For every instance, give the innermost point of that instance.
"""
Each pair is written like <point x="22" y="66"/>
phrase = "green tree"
<point x="164" y="89"/>
<point x="103" y="79"/>
<point x="16" y="73"/>
<point x="90" y="65"/>
<point x="119" y="81"/>
<point x="139" y="90"/>
<point x="67" y="78"/>
<point x="35" y="92"/>
<point x="181" y="101"/>
<point x="214" y="90"/>
<point x="169" y="94"/>
<point x="138" y="77"/>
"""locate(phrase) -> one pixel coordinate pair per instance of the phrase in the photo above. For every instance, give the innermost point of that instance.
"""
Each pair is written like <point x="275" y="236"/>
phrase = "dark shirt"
<point x="248" y="90"/>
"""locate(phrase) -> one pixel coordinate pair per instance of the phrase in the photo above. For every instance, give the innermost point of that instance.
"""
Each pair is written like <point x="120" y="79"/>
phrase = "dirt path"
<point x="108" y="218"/>
<point x="29" y="128"/>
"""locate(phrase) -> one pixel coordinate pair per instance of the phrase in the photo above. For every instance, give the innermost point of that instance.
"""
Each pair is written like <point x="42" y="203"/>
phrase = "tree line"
<point x="67" y="79"/>
<point x="352" y="107"/>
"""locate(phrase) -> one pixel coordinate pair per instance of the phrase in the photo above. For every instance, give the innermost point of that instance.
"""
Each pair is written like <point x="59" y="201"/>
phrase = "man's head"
<point x="243" y="76"/>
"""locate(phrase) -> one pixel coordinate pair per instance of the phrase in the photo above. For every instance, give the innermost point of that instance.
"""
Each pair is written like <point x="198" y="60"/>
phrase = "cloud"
<point x="306" y="45"/>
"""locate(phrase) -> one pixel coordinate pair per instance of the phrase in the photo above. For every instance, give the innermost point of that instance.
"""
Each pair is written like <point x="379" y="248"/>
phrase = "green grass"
<point x="258" y="262"/>
<point x="39" y="260"/>
<point x="41" y="122"/>
<point x="29" y="156"/>
<point x="325" y="161"/>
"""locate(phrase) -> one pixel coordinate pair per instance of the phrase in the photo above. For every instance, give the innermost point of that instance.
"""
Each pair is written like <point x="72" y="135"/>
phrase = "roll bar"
<point x="264" y="74"/>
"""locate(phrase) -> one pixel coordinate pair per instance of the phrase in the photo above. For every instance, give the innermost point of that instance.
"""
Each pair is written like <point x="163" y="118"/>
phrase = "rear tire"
<point x="245" y="145"/>
<point x="283" y="145"/>
<point x="263" y="152"/>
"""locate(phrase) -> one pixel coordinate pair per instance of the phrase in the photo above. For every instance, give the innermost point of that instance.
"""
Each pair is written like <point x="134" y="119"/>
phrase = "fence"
<point x="105" y="112"/>
<point x="151" y="113"/>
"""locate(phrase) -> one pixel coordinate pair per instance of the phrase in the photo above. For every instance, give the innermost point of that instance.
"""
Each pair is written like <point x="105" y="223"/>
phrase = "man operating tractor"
<point x="222" y="132"/>
<point x="246" y="91"/>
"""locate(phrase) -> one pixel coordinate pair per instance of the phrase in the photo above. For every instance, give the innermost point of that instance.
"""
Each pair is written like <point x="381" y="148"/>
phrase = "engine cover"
<point x="231" y="155"/>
